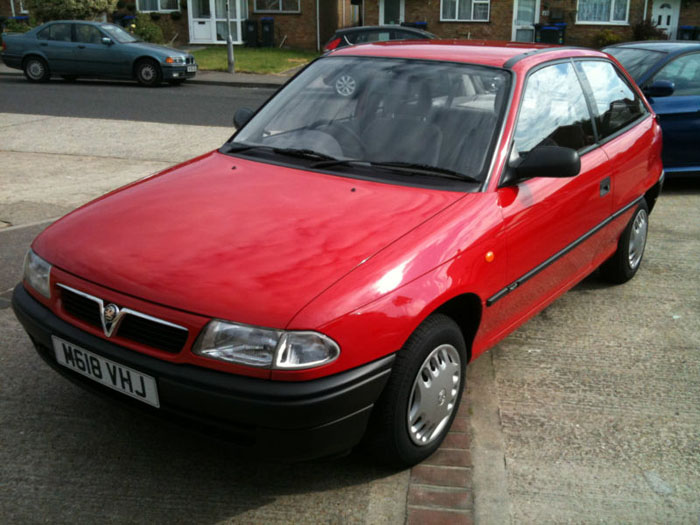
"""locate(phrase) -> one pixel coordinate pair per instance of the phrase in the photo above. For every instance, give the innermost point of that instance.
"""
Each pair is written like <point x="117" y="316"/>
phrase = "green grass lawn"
<point x="252" y="60"/>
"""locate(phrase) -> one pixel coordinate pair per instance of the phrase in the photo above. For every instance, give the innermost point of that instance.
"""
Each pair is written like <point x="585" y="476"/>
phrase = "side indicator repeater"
<point x="490" y="256"/>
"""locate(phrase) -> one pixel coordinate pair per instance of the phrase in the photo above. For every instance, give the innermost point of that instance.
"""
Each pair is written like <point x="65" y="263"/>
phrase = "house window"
<point x="277" y="6"/>
<point x="602" y="11"/>
<point x="158" y="5"/>
<point x="464" y="10"/>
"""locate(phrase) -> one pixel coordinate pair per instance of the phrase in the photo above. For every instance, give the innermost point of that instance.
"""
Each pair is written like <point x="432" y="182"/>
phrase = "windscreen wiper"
<point x="236" y="147"/>
<point x="410" y="168"/>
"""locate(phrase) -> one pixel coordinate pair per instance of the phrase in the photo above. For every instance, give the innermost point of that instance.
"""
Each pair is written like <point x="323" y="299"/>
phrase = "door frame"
<point x="675" y="16"/>
<point x="514" y="28"/>
<point x="402" y="11"/>
<point x="212" y="19"/>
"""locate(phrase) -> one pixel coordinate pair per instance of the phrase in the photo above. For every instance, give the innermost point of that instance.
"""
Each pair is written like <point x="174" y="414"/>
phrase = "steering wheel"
<point x="355" y="147"/>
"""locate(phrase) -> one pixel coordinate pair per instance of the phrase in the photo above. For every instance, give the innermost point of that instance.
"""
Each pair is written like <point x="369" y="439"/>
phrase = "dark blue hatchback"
<point x="669" y="74"/>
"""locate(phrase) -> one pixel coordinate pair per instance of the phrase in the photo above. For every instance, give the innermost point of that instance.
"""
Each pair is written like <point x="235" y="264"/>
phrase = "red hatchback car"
<point x="394" y="211"/>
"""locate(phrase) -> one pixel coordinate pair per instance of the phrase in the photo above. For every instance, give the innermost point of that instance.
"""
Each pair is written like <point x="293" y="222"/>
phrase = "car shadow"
<point x="83" y="451"/>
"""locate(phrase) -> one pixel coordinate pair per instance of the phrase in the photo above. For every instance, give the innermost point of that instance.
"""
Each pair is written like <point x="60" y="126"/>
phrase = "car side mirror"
<point x="660" y="88"/>
<point x="242" y="116"/>
<point x="106" y="41"/>
<point x="546" y="161"/>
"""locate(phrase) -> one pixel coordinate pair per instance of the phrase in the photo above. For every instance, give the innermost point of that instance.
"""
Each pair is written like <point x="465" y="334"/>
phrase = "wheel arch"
<point x="140" y="59"/>
<point x="465" y="310"/>
<point x="652" y="194"/>
<point x="34" y="54"/>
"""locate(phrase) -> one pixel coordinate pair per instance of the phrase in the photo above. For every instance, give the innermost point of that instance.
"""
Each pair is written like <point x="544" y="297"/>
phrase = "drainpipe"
<point x="645" y="10"/>
<point x="12" y="6"/>
<point x="318" y="28"/>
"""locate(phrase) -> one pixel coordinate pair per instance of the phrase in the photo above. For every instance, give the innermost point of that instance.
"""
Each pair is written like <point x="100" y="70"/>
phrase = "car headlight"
<point x="37" y="273"/>
<point x="175" y="60"/>
<point x="265" y="348"/>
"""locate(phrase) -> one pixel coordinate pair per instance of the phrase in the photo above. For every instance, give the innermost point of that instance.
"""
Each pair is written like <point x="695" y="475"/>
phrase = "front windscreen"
<point x="118" y="34"/>
<point x="635" y="61"/>
<point x="387" y="111"/>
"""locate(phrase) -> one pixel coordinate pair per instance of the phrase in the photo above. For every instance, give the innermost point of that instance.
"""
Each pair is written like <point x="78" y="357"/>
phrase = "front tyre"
<point x="36" y="69"/>
<point x="625" y="262"/>
<point x="148" y="73"/>
<point x="421" y="399"/>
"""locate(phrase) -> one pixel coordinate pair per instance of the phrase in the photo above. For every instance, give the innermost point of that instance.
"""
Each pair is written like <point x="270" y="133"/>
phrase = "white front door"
<point x="391" y="11"/>
<point x="665" y="15"/>
<point x="208" y="20"/>
<point x="526" y="13"/>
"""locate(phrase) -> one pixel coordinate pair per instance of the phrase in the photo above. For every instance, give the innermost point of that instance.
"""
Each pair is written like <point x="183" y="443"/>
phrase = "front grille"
<point x="190" y="60"/>
<point x="81" y="307"/>
<point x="135" y="328"/>
<point x="153" y="334"/>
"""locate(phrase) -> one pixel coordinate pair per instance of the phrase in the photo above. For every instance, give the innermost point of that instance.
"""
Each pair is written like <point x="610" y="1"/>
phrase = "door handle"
<point x="605" y="186"/>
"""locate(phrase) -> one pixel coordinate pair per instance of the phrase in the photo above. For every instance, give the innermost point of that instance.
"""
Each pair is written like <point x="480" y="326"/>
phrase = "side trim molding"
<point x="537" y="269"/>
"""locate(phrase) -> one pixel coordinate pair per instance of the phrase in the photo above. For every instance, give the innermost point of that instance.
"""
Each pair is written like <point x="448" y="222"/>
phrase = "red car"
<point x="327" y="274"/>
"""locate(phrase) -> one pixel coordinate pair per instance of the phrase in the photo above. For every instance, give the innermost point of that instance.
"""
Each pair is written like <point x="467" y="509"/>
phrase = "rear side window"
<point x="372" y="36"/>
<point x="615" y="103"/>
<point x="553" y="111"/>
<point x="60" y="32"/>
<point x="684" y="72"/>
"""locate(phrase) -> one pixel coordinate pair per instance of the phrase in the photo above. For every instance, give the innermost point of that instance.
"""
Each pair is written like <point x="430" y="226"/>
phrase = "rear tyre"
<point x="36" y="69"/>
<point x="625" y="262"/>
<point x="148" y="73"/>
<point x="421" y="399"/>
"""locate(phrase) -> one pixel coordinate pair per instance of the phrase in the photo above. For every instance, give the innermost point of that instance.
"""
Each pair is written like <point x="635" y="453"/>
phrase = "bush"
<point x="14" y="26"/>
<point x="647" y="30"/>
<point x="147" y="30"/>
<point x="606" y="37"/>
<point x="176" y="15"/>
<point x="131" y="7"/>
<point x="155" y="16"/>
<point x="69" y="9"/>
<point x="121" y="4"/>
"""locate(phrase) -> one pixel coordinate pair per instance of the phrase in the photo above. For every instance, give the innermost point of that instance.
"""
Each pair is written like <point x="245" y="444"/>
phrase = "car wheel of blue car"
<point x="36" y="69"/>
<point x="148" y="73"/>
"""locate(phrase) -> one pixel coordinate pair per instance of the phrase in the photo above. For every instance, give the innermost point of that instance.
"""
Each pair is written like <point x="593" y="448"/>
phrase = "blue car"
<point x="669" y="74"/>
<point x="72" y="49"/>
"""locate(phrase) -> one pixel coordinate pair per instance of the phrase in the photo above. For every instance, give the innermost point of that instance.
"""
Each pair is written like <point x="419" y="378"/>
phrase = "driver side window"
<point x="684" y="72"/>
<point x="553" y="112"/>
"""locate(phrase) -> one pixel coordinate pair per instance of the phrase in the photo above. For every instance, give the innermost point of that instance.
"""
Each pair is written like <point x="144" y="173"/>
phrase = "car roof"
<point x="667" y="46"/>
<point x="485" y="52"/>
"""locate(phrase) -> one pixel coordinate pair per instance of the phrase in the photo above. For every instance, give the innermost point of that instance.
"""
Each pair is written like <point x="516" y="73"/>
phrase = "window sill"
<point x="450" y="20"/>
<point x="161" y="11"/>
<point x="276" y="12"/>
<point x="586" y="23"/>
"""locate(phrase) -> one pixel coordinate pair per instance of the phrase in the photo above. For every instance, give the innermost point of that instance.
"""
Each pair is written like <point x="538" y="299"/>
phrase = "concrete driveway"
<point x="589" y="413"/>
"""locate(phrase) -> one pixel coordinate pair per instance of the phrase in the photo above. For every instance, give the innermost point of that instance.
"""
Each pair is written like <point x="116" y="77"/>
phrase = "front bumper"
<point x="178" y="72"/>
<point x="283" y="420"/>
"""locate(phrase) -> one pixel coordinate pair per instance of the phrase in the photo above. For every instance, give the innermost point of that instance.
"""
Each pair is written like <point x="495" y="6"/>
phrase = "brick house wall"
<point x="5" y="9"/>
<point x="299" y="28"/>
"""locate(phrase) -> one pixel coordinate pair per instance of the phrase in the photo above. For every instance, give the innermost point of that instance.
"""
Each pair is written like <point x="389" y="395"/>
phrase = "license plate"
<point x="113" y="375"/>
<point x="191" y="69"/>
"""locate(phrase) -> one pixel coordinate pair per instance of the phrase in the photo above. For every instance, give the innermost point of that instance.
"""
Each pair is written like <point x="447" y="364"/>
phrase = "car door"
<point x="550" y="223"/>
<point x="91" y="55"/>
<point x="679" y="114"/>
<point x="56" y="41"/>
<point x="628" y="143"/>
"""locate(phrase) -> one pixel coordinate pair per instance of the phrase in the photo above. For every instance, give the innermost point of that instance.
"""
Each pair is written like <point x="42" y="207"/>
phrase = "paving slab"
<point x="598" y="396"/>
